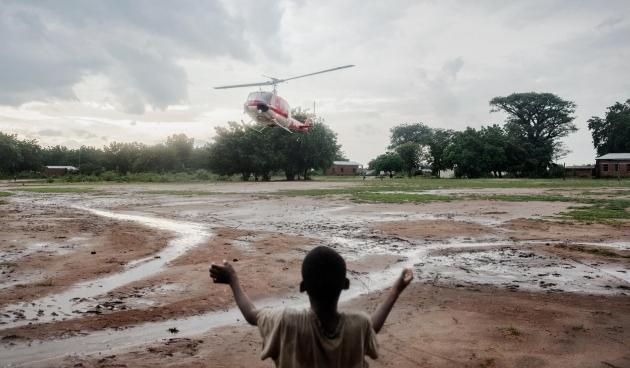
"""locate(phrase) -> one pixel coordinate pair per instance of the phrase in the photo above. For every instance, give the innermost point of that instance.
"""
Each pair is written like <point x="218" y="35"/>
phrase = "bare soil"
<point x="498" y="284"/>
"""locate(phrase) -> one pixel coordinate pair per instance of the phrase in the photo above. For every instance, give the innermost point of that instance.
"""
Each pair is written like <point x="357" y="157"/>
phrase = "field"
<point x="508" y="273"/>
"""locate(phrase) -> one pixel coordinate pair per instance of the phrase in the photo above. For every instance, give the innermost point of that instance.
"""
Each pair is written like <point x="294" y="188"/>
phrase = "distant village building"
<point x="58" y="170"/>
<point x="579" y="171"/>
<point x="344" y="168"/>
<point x="613" y="165"/>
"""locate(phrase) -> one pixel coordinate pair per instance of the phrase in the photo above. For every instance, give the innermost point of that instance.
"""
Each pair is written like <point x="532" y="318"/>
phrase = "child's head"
<point x="324" y="274"/>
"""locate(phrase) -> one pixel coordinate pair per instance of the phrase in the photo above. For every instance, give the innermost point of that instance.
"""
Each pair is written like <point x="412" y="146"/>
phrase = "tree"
<point x="9" y="153"/>
<point x="302" y="152"/>
<point x="226" y="153"/>
<point x="612" y="134"/>
<point x="465" y="154"/>
<point x="538" y="120"/>
<point x="432" y="143"/>
<point x="439" y="140"/>
<point x="404" y="133"/>
<point x="182" y="147"/>
<point x="410" y="154"/>
<point x="122" y="156"/>
<point x="495" y="144"/>
<point x="389" y="162"/>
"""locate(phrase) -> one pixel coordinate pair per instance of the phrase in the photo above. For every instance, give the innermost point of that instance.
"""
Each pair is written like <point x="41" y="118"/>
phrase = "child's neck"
<point x="326" y="313"/>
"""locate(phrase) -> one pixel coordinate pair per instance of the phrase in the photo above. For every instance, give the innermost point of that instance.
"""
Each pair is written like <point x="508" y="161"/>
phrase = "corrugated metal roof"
<point x="346" y="163"/>
<point x="614" y="156"/>
<point x="580" y="167"/>
<point x="62" y="167"/>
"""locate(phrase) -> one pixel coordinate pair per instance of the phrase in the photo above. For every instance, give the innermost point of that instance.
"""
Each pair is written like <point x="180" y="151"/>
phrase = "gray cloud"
<point x="49" y="47"/>
<point x="50" y="133"/>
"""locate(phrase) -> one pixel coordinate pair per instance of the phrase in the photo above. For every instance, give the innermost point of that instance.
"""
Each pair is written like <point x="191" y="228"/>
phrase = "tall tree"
<point x="540" y="120"/>
<point x="410" y="154"/>
<point x="10" y="155"/>
<point x="439" y="140"/>
<point x="404" y="133"/>
<point x="495" y="145"/>
<point x="432" y="143"/>
<point x="465" y="154"/>
<point x="612" y="134"/>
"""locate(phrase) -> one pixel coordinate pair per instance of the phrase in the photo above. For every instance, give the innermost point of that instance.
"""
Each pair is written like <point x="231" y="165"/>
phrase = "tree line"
<point x="236" y="150"/>
<point x="527" y="145"/>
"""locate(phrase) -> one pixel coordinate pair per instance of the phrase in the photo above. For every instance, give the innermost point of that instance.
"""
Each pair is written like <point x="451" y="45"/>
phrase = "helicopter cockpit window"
<point x="260" y="96"/>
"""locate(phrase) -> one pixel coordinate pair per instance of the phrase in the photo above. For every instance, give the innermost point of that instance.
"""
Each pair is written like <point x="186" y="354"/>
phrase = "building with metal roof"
<point x="616" y="165"/>
<point x="344" y="168"/>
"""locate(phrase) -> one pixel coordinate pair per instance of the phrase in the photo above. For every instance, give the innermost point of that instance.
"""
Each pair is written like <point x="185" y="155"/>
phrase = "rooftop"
<point x="346" y="163"/>
<point x="71" y="168"/>
<point x="614" y="156"/>
<point x="580" y="167"/>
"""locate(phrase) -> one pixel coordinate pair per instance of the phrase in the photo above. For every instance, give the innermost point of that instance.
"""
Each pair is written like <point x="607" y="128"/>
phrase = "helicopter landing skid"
<point x="252" y="128"/>
<point x="282" y="126"/>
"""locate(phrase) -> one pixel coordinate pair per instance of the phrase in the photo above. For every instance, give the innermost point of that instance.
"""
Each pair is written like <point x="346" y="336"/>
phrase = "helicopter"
<point x="269" y="110"/>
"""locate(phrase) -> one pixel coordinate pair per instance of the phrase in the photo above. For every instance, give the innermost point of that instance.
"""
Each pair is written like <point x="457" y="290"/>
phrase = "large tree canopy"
<point x="539" y="120"/>
<point x="238" y="150"/>
<point x="612" y="134"/>
<point x="431" y="142"/>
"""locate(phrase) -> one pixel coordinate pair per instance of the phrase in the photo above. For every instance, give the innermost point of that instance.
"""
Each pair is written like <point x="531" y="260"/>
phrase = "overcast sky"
<point x="92" y="72"/>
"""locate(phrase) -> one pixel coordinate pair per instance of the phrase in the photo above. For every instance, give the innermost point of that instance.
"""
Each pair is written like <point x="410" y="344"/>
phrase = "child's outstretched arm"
<point x="225" y="274"/>
<point x="381" y="313"/>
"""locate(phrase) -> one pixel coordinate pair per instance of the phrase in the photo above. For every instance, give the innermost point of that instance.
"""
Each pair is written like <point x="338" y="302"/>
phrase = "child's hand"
<point x="222" y="274"/>
<point x="403" y="280"/>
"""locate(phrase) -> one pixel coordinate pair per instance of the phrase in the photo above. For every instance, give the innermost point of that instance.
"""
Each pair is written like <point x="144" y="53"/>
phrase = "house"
<point x="579" y="171"/>
<point x="58" y="170"/>
<point x="344" y="168"/>
<point x="615" y="165"/>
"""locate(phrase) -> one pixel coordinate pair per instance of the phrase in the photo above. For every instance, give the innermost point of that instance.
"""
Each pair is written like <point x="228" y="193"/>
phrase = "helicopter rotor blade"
<point x="320" y="72"/>
<point x="267" y="83"/>
<point x="275" y="81"/>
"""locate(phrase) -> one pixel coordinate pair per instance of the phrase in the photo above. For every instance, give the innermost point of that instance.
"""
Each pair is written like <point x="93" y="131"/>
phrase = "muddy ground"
<point x="117" y="277"/>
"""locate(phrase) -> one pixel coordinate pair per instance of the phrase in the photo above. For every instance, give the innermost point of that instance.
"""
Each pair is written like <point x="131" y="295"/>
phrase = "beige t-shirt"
<point x="293" y="338"/>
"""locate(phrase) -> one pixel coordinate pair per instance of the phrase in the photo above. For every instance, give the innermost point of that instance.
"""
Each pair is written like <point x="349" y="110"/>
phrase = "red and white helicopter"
<point x="269" y="110"/>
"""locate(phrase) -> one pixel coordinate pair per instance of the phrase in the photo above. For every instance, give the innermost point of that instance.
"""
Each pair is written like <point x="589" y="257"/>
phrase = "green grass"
<point x="5" y="194"/>
<point x="400" y="197"/>
<point x="520" y="197"/>
<point x="599" y="209"/>
<point x="55" y="190"/>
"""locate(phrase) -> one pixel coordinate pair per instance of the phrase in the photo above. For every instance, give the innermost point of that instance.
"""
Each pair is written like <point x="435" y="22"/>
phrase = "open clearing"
<point x="508" y="273"/>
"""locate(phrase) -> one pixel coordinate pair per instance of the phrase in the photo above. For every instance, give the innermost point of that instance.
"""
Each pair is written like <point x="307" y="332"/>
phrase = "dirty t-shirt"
<point x="293" y="338"/>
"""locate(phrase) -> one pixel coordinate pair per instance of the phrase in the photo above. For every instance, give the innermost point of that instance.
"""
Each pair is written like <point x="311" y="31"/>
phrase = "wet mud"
<point x="158" y="301"/>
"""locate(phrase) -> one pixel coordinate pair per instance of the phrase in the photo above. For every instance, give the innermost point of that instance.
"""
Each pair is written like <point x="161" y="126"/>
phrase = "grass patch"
<point x="5" y="194"/>
<point x="179" y="192"/>
<point x="521" y="197"/>
<point x="400" y="197"/>
<point x="56" y="190"/>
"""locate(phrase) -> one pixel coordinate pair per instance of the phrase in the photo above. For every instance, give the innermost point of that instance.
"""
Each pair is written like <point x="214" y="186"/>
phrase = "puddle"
<point x="76" y="300"/>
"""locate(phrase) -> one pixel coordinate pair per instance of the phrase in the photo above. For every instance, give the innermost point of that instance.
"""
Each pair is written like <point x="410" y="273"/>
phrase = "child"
<point x="320" y="336"/>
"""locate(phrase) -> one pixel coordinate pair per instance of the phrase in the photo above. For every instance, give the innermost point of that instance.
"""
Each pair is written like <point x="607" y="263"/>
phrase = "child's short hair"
<point x="323" y="273"/>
